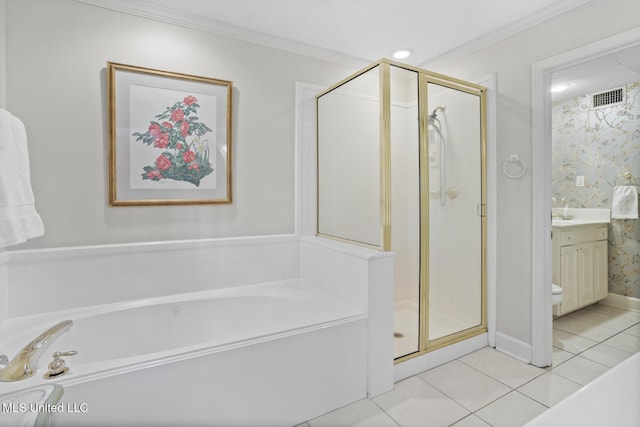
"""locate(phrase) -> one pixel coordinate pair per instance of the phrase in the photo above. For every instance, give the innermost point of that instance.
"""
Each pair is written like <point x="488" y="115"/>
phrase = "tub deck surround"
<point x="363" y="278"/>
<point x="95" y="275"/>
<point x="168" y="329"/>
<point x="611" y="399"/>
<point x="317" y="337"/>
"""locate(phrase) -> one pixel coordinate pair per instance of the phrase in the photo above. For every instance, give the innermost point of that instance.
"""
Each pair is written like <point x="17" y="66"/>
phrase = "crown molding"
<point x="147" y="9"/>
<point x="507" y="31"/>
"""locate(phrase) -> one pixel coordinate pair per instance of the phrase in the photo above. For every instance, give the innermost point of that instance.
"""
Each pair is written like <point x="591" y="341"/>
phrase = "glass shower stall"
<point x="401" y="167"/>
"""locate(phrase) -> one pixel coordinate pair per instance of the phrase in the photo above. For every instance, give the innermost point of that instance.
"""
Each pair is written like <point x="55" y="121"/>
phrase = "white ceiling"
<point x="357" y="32"/>
<point x="366" y="30"/>
<point x="607" y="72"/>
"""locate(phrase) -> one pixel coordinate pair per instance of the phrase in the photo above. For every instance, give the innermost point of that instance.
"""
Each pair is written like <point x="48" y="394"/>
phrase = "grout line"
<point x="517" y="389"/>
<point x="467" y="416"/>
<point x="496" y="379"/>
<point x="588" y="339"/>
<point x="456" y="401"/>
<point x="632" y="326"/>
<point x="388" y="414"/>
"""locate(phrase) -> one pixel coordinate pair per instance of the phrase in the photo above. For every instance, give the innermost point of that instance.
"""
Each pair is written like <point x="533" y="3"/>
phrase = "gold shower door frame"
<point x="425" y="77"/>
<point x="426" y="344"/>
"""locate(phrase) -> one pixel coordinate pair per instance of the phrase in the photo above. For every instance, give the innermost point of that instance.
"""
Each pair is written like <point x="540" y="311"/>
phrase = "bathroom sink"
<point x="573" y="222"/>
<point x="557" y="222"/>
<point x="581" y="216"/>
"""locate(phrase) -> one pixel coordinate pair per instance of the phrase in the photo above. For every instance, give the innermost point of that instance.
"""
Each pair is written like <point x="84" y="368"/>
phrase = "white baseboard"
<point x="622" y="301"/>
<point x="513" y="347"/>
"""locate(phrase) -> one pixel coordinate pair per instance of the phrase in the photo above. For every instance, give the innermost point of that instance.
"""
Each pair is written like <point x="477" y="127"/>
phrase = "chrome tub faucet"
<point x="25" y="363"/>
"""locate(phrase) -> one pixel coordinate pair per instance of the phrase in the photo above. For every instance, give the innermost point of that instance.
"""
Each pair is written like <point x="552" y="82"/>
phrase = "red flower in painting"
<point x="154" y="129"/>
<point x="177" y="115"/>
<point x="154" y="175"/>
<point x="182" y="138"/>
<point x="162" y="141"/>
<point x="189" y="99"/>
<point x="184" y="128"/>
<point x="163" y="163"/>
<point x="188" y="156"/>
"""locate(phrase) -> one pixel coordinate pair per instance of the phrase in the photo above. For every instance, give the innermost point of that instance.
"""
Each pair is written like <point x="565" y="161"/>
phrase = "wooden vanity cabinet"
<point x="580" y="265"/>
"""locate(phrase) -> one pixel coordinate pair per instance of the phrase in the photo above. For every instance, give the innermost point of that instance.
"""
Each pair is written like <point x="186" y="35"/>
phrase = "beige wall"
<point x="511" y="59"/>
<point x="3" y="46"/>
<point x="57" y="52"/>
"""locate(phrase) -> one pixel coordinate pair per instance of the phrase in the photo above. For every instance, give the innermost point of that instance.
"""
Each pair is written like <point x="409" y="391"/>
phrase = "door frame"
<point x="541" y="276"/>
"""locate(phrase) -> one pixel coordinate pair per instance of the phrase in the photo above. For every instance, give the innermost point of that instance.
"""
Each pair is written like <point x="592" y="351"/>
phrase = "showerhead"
<point x="434" y="113"/>
<point x="434" y="121"/>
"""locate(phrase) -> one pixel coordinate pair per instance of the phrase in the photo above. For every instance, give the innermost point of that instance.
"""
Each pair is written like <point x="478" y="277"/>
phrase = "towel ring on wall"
<point x="627" y="177"/>
<point x="514" y="158"/>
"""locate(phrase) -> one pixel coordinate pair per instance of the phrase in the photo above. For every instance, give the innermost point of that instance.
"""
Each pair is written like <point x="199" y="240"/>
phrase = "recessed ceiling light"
<point x="560" y="87"/>
<point x="401" y="53"/>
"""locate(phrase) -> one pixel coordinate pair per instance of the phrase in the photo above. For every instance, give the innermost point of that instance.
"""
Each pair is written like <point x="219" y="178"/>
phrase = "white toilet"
<point x="556" y="294"/>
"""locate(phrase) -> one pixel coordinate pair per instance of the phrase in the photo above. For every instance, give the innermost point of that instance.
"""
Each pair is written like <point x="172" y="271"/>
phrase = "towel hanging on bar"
<point x="624" y="203"/>
<point x="19" y="220"/>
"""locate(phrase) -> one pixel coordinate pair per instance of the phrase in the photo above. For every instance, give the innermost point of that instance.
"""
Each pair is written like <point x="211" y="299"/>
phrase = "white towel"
<point x="19" y="220"/>
<point x="624" y="203"/>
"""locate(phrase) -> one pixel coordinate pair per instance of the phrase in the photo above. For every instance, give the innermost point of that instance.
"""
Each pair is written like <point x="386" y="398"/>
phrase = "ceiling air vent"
<point x="608" y="98"/>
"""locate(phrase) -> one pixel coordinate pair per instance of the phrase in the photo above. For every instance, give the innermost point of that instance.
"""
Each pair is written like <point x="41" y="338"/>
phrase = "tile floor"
<point x="489" y="388"/>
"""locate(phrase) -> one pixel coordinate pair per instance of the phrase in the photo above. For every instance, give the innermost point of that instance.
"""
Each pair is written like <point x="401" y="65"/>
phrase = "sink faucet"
<point x="554" y="207"/>
<point x="24" y="364"/>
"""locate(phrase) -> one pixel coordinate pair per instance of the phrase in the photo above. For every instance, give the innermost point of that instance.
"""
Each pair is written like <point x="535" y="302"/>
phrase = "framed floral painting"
<point x="169" y="137"/>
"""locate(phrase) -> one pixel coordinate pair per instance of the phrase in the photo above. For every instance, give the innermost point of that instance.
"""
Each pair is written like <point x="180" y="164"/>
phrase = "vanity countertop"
<point x="582" y="216"/>
<point x="577" y="222"/>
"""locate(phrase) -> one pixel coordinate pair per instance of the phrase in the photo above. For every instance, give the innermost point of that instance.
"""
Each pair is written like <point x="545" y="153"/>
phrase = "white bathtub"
<point x="609" y="400"/>
<point x="262" y="354"/>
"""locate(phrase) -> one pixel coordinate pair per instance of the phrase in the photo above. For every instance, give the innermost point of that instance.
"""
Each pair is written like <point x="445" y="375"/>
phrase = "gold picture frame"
<point x="169" y="137"/>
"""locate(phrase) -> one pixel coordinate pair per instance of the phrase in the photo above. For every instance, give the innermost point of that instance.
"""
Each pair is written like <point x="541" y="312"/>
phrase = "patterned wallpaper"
<point x="601" y="145"/>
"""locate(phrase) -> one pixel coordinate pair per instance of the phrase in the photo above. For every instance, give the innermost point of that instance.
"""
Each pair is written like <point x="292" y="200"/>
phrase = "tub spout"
<point x="25" y="363"/>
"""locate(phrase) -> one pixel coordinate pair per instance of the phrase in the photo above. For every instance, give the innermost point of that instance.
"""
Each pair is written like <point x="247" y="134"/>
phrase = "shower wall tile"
<point x="601" y="145"/>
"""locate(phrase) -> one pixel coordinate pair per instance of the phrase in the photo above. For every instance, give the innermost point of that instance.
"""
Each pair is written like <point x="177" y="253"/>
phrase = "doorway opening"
<point x="541" y="345"/>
